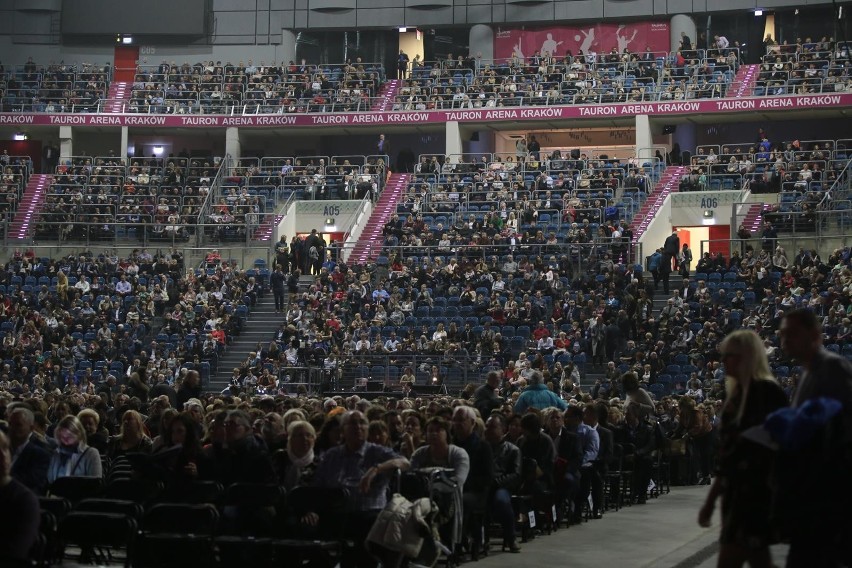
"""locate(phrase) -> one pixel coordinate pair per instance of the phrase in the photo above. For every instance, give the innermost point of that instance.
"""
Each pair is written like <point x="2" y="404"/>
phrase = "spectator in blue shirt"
<point x="364" y="469"/>
<point x="654" y="266"/>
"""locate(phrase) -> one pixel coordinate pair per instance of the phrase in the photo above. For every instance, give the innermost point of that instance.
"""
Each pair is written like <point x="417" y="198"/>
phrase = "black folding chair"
<point x="98" y="535"/>
<point x="322" y="545"/>
<point x="249" y="521"/>
<point x="75" y="489"/>
<point x="177" y="535"/>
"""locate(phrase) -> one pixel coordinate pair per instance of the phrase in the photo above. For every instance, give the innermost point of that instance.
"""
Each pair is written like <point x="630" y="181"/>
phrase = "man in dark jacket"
<point x="279" y="287"/>
<point x="825" y="464"/>
<point x="485" y="397"/>
<point x="30" y="458"/>
<point x="507" y="477"/>
<point x="671" y="248"/>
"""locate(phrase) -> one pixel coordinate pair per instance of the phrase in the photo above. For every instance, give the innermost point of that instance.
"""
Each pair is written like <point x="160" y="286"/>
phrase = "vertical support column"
<point x="481" y="41"/>
<point x="124" y="141"/>
<point x="66" y="142"/>
<point x="682" y="23"/>
<point x="287" y="49"/>
<point x="233" y="147"/>
<point x="454" y="139"/>
<point x="644" y="139"/>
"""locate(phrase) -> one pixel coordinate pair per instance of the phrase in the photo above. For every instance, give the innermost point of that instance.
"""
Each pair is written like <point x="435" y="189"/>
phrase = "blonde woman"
<point x="131" y="439"/>
<point x="744" y="467"/>
<point x="73" y="457"/>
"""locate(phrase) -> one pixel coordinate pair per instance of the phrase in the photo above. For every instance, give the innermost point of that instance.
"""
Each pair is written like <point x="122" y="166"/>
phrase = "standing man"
<point x="671" y="248"/>
<point x="282" y="253"/>
<point x="383" y="146"/>
<point x="685" y="260"/>
<point x="279" y="285"/>
<point x="485" y="398"/>
<point x="401" y="65"/>
<point x="50" y="155"/>
<point x="824" y="533"/>
<point x="654" y="262"/>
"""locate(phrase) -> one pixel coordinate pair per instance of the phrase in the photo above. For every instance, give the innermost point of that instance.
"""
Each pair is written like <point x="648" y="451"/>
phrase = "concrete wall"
<point x="658" y="229"/>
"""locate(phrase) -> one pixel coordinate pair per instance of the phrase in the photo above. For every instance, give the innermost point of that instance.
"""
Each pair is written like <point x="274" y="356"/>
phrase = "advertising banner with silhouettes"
<point x="600" y="38"/>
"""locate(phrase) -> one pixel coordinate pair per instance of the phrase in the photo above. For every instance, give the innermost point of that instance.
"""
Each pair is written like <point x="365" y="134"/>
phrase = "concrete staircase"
<point x="754" y="217"/>
<point x="265" y="231"/>
<point x="386" y="95"/>
<point x="258" y="328"/>
<point x="669" y="181"/>
<point x="369" y="244"/>
<point x="119" y="94"/>
<point x="744" y="81"/>
<point x="23" y="223"/>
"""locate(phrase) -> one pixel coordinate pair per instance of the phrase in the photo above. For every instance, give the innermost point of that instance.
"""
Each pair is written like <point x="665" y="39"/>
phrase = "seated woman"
<point x="439" y="452"/>
<point x="296" y="465"/>
<point x="183" y="459"/>
<point x="131" y="439"/>
<point x="73" y="457"/>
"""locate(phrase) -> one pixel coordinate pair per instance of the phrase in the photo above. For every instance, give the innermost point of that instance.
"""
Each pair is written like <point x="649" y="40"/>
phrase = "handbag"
<point x="674" y="447"/>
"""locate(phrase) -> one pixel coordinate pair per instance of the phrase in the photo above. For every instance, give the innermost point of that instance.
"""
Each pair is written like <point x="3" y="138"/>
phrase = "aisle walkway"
<point x="662" y="534"/>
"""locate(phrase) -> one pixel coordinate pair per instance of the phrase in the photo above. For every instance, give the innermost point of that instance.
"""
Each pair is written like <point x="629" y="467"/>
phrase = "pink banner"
<point x="600" y="38"/>
<point x="706" y="106"/>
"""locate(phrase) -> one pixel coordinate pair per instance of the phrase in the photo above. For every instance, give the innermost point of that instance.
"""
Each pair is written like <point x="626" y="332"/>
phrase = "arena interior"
<point x="241" y="238"/>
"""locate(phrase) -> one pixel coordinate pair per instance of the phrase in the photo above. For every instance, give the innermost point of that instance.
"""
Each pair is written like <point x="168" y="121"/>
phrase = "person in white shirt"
<point x="363" y="344"/>
<point x="83" y="285"/>
<point x="721" y="42"/>
<point x="392" y="344"/>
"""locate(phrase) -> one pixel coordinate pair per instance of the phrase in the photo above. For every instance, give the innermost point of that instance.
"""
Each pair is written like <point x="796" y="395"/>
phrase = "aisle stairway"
<point x="265" y="231"/>
<point x="118" y="96"/>
<point x="369" y="244"/>
<point x="259" y="327"/>
<point x="23" y="223"/>
<point x="754" y="217"/>
<point x="386" y="95"/>
<point x="744" y="81"/>
<point x="669" y="181"/>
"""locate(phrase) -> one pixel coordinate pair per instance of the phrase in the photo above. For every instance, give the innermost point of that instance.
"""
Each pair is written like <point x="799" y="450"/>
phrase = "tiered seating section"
<point x="14" y="174"/>
<point x="210" y="88"/>
<point x="102" y="198"/>
<point x="311" y="177"/>
<point x="116" y="312"/>
<point x="582" y="79"/>
<point x="802" y="171"/>
<point x="53" y="88"/>
<point x="248" y="88"/>
<point x="809" y="67"/>
<point x="523" y="197"/>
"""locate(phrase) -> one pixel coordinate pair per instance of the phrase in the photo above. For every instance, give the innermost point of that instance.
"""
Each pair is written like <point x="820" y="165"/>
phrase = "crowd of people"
<point x="214" y="88"/>
<point x="566" y="78"/>
<point x="209" y="87"/>
<point x="56" y="87"/>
